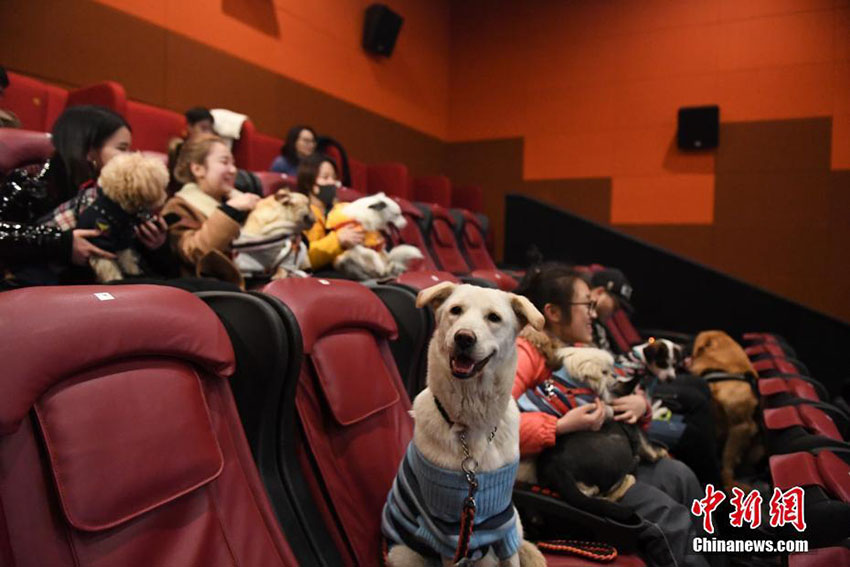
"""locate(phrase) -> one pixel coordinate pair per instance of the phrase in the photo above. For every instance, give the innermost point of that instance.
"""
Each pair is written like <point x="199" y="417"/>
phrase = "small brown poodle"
<point x="131" y="188"/>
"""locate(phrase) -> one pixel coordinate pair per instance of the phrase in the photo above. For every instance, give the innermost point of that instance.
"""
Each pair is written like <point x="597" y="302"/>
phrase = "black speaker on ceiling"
<point x="698" y="127"/>
<point x="380" y="29"/>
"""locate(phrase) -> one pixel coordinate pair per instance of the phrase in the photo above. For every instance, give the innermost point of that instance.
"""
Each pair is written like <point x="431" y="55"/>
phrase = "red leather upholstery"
<point x="469" y="197"/>
<point x="346" y="195"/>
<point x="441" y="239"/>
<point x="794" y="469"/>
<point x="138" y="457"/>
<point x="630" y="334"/>
<point x="770" y="365"/>
<point x="817" y="421"/>
<point x="475" y="243"/>
<point x="23" y="147"/>
<point x="760" y="337"/>
<point x="391" y="178"/>
<point x="435" y="189"/>
<point x="796" y="386"/>
<point x="109" y="94"/>
<point x="411" y="234"/>
<point x="35" y="103"/>
<point x="616" y="335"/>
<point x="153" y="127"/>
<point x="272" y="181"/>
<point x="770" y="348"/>
<point x="420" y="280"/>
<point x="782" y="418"/>
<point x="359" y="175"/>
<point x="501" y="279"/>
<point x="835" y="474"/>
<point x="826" y="556"/>
<point x="254" y="150"/>
<point x="351" y="404"/>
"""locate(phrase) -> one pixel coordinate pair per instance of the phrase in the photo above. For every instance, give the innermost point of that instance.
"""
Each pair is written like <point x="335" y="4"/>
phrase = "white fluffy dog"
<point x="594" y="367"/>
<point x="371" y="260"/>
<point x="464" y="419"/>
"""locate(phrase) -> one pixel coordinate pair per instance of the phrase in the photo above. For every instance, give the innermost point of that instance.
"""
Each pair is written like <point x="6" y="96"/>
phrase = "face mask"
<point x="327" y="194"/>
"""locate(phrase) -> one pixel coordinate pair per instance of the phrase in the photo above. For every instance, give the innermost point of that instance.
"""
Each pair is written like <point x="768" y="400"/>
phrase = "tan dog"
<point x="466" y="412"/>
<point x="131" y="187"/>
<point x="271" y="243"/>
<point x="734" y="401"/>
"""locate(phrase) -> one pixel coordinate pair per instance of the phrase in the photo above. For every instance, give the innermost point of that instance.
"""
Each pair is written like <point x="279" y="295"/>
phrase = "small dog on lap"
<point x="131" y="188"/>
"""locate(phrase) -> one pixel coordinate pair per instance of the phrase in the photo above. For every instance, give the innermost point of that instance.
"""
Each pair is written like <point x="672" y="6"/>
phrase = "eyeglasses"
<point x="591" y="305"/>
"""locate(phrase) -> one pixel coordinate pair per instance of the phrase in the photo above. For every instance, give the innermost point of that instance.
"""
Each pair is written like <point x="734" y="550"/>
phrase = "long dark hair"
<point x="550" y="282"/>
<point x="308" y="171"/>
<point x="288" y="148"/>
<point x="76" y="132"/>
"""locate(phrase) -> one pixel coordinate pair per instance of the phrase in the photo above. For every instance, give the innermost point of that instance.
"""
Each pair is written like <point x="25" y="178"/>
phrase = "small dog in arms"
<point x="450" y="503"/>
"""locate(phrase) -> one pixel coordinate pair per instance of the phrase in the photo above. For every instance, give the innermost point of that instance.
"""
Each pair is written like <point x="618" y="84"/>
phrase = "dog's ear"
<point x="379" y="206"/>
<point x="435" y="295"/>
<point x="650" y="351"/>
<point x="526" y="312"/>
<point x="283" y="196"/>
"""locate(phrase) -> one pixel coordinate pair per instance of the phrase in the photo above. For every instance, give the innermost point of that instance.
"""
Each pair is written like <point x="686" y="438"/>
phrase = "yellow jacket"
<point x="371" y="239"/>
<point x="324" y="244"/>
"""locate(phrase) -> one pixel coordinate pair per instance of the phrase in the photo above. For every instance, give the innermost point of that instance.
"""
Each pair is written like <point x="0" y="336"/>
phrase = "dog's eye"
<point x="456" y="310"/>
<point x="494" y="318"/>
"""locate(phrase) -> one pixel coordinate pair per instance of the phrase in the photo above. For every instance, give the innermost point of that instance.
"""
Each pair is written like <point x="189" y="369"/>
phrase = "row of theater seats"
<point x="246" y="434"/>
<point x="452" y="240"/>
<point x="38" y="104"/>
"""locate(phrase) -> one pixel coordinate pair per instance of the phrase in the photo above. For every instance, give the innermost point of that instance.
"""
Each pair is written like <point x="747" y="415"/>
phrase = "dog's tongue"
<point x="462" y="365"/>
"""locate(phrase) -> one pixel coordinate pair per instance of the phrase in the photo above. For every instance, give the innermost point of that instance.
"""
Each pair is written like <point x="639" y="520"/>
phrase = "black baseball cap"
<point x="615" y="283"/>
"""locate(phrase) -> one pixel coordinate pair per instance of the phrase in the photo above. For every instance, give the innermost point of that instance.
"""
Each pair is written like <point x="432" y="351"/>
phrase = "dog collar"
<point x="443" y="412"/>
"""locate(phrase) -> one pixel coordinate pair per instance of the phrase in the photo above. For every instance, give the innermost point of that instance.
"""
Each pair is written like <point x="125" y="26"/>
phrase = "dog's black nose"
<point x="465" y="339"/>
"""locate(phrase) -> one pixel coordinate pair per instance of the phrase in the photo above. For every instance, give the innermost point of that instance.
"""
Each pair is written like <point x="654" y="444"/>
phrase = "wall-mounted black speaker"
<point x="380" y="29"/>
<point x="698" y="127"/>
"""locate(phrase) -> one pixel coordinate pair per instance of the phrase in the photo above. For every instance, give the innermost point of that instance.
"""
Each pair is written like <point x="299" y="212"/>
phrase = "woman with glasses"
<point x="664" y="490"/>
<point x="300" y="142"/>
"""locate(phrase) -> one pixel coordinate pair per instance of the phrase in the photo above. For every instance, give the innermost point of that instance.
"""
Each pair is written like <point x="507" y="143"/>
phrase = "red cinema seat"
<point x="436" y="189"/>
<point x="272" y="181"/>
<point x="119" y="438"/>
<point x="469" y="197"/>
<point x="23" y="147"/>
<point x="352" y="407"/>
<point x="359" y="175"/>
<point x="391" y="178"/>
<point x="254" y="150"/>
<point x="412" y="234"/>
<point x="441" y="239"/>
<point x="346" y="195"/>
<point x="108" y="94"/>
<point x="473" y="242"/>
<point x="35" y="103"/>
<point x="153" y="127"/>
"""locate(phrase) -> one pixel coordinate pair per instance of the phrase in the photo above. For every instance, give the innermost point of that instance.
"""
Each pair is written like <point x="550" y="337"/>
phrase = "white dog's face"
<point x="376" y="212"/>
<point x="476" y="327"/>
<point x="593" y="366"/>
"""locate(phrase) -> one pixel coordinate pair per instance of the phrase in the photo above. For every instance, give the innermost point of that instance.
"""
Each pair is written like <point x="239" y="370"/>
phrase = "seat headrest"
<point x="324" y="305"/>
<point x="781" y="417"/>
<point x="55" y="332"/>
<point x="408" y="208"/>
<point x="22" y="147"/>
<point x="425" y="279"/>
<point x="817" y="421"/>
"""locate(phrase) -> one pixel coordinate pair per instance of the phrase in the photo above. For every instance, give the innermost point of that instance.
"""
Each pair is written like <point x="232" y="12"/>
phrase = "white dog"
<point x="465" y="418"/>
<point x="376" y="214"/>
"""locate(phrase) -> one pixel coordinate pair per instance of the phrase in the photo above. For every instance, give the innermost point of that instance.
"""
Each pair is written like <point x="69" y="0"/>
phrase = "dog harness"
<point x="557" y="395"/>
<point x="423" y="506"/>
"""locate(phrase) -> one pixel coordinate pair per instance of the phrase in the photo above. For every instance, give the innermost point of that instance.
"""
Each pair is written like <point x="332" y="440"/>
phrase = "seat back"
<point x="469" y="197"/>
<point x="120" y="443"/>
<point x="272" y="181"/>
<point x="435" y="189"/>
<point x="23" y="147"/>
<point x="36" y="104"/>
<point x="391" y="178"/>
<point x="441" y="239"/>
<point x="412" y="234"/>
<point x="153" y="127"/>
<point x="254" y="150"/>
<point x="472" y="240"/>
<point x="359" y="175"/>
<point x="351" y="405"/>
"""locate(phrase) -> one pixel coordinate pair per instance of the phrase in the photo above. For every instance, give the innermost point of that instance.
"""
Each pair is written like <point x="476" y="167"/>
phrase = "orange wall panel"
<point x="668" y="199"/>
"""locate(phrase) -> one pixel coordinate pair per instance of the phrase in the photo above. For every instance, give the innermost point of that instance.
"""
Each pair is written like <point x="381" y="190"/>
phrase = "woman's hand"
<point x="243" y="201"/>
<point x="588" y="417"/>
<point x="152" y="233"/>
<point x="350" y="236"/>
<point x="82" y="249"/>
<point x="629" y="408"/>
